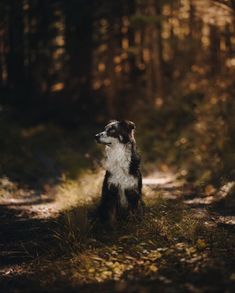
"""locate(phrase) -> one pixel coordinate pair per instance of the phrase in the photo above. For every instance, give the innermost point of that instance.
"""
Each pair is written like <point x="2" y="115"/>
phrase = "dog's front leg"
<point x="135" y="204"/>
<point x="109" y="203"/>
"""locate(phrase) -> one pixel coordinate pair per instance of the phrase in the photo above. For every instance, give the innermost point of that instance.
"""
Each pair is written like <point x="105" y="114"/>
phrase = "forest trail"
<point x="66" y="69"/>
<point x="126" y="262"/>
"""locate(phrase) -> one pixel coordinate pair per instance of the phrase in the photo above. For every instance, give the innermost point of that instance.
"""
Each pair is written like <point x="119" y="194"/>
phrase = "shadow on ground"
<point x="38" y="155"/>
<point x="173" y="249"/>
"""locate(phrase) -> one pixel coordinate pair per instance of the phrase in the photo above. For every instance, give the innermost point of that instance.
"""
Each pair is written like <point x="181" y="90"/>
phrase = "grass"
<point x="172" y="242"/>
<point x="163" y="223"/>
<point x="42" y="154"/>
<point x="174" y="245"/>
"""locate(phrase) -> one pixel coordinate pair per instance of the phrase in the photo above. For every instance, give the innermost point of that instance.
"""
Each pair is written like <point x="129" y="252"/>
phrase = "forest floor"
<point x="50" y="241"/>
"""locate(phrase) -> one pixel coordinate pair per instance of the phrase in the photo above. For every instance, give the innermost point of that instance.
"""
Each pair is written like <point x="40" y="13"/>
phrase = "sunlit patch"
<point x="166" y="10"/>
<point x="214" y="100"/>
<point x="192" y="85"/>
<point x="96" y="85"/>
<point x="124" y="55"/>
<point x="230" y="62"/>
<point x="146" y="55"/>
<point x="209" y="189"/>
<point x="57" y="87"/>
<point x="102" y="48"/>
<point x="159" y="102"/>
<point x="107" y="82"/>
<point x="223" y="46"/>
<point x="117" y="59"/>
<point x="26" y="6"/>
<point x="137" y="37"/>
<point x="125" y="43"/>
<point x="205" y="35"/>
<point x="101" y="67"/>
<point x="183" y="172"/>
<point x="29" y="132"/>
<point x="59" y="41"/>
<point x="141" y="66"/>
<point x="58" y="53"/>
<point x="183" y="140"/>
<point x="4" y="74"/>
<point x="118" y="69"/>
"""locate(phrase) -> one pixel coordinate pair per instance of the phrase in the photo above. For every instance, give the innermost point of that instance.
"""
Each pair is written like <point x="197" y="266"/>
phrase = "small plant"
<point x="74" y="229"/>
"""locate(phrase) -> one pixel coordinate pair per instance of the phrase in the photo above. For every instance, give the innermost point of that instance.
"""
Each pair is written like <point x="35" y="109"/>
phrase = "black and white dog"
<point x="123" y="181"/>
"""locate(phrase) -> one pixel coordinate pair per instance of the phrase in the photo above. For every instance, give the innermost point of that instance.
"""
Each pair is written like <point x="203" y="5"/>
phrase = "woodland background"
<point x="66" y="68"/>
<point x="167" y="65"/>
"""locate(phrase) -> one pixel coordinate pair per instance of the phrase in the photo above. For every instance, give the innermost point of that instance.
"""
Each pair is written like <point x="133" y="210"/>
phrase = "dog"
<point x="122" y="183"/>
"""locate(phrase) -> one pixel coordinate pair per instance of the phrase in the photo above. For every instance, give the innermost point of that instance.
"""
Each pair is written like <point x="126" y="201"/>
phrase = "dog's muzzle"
<point x="97" y="137"/>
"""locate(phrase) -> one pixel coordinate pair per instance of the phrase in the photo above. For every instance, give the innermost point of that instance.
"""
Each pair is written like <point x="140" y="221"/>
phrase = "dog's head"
<point x="116" y="132"/>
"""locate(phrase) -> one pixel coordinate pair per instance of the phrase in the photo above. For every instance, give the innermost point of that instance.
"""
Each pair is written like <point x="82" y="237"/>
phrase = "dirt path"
<point x="28" y="219"/>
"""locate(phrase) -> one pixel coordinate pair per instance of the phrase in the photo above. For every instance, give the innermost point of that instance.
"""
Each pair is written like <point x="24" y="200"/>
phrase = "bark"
<point x="214" y="49"/>
<point x="153" y="58"/>
<point x="111" y="87"/>
<point x="79" y="44"/>
<point x="16" y="47"/>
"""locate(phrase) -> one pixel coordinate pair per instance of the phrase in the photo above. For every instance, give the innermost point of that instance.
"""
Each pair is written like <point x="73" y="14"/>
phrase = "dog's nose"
<point x="97" y="136"/>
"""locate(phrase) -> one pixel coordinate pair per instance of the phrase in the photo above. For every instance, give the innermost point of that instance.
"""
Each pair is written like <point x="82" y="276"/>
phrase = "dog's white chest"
<point x="118" y="163"/>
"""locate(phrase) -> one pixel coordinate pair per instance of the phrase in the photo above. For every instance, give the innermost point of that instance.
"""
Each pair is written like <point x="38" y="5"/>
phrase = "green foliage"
<point x="41" y="153"/>
<point x="86" y="63"/>
<point x="170" y="239"/>
<point x="192" y="132"/>
<point x="140" y="20"/>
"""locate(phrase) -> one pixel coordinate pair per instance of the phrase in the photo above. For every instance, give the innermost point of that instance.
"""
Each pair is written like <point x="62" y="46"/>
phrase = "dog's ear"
<point x="128" y="125"/>
<point x="112" y="120"/>
<point x="131" y="125"/>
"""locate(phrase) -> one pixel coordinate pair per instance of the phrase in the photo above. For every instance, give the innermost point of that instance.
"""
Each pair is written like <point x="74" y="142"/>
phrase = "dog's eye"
<point x="112" y="131"/>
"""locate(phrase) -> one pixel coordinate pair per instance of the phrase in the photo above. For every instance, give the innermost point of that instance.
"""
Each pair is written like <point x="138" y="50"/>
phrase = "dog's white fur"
<point x="118" y="158"/>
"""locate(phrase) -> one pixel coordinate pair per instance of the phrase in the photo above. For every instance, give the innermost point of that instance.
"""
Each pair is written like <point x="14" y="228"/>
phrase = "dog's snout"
<point x="97" y="136"/>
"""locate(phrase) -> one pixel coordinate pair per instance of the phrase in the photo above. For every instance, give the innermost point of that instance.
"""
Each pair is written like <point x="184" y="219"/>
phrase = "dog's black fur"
<point x="122" y="184"/>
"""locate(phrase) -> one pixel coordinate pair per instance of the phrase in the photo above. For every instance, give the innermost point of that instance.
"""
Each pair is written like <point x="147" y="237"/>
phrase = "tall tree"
<point x="153" y="51"/>
<point x="15" y="58"/>
<point x="79" y="32"/>
<point x="214" y="49"/>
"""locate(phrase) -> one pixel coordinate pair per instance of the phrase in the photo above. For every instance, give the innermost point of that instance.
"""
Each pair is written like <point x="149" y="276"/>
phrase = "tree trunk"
<point x="111" y="78"/>
<point x="157" y="57"/>
<point x="214" y="49"/>
<point x="153" y="54"/>
<point x="79" y="29"/>
<point x="16" y="50"/>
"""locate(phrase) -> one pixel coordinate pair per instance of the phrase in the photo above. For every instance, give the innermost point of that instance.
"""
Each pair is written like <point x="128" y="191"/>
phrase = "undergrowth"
<point x="170" y="242"/>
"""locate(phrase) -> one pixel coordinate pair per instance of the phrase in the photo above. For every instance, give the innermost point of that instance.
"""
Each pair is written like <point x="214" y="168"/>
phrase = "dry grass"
<point x="170" y="234"/>
<point x="172" y="244"/>
<point x="81" y="192"/>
